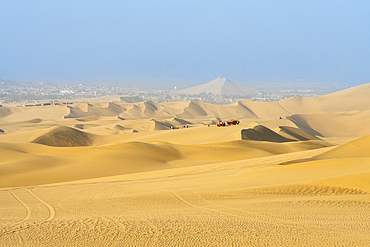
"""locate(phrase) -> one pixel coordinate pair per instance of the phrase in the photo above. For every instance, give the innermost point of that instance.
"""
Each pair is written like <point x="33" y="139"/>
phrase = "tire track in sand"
<point x="50" y="208"/>
<point x="28" y="210"/>
<point x="196" y="206"/>
<point x="274" y="220"/>
<point x="28" y="215"/>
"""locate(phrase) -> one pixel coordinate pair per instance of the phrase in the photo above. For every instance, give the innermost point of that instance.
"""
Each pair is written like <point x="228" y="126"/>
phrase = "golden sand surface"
<point x="293" y="173"/>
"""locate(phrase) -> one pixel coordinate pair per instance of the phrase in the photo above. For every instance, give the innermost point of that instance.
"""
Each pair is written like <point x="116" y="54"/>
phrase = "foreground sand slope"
<point x="250" y="202"/>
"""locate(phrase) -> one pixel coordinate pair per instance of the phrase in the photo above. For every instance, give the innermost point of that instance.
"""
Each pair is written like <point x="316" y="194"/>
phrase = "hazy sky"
<point x="185" y="41"/>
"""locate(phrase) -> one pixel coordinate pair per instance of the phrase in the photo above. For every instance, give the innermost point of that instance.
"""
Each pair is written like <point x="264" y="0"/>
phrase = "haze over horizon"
<point x="188" y="42"/>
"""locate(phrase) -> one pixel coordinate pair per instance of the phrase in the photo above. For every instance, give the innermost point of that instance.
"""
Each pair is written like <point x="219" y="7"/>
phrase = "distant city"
<point x="21" y="93"/>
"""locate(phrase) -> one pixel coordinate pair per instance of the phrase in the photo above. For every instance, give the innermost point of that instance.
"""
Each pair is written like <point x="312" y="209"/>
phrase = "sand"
<point x="293" y="173"/>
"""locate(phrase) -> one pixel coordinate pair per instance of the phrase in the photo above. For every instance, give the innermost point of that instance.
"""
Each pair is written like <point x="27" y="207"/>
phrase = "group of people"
<point x="221" y="124"/>
<point x="179" y="127"/>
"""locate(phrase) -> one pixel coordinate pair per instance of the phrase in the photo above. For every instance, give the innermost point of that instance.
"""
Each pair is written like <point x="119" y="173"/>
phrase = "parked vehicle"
<point x="233" y="122"/>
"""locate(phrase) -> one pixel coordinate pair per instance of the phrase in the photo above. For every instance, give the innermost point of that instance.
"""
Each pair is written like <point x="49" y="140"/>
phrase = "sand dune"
<point x="158" y="125"/>
<point x="63" y="136"/>
<point x="198" y="109"/>
<point x="357" y="91"/>
<point x="19" y="114"/>
<point x="354" y="149"/>
<point x="331" y="125"/>
<point x="35" y="120"/>
<point x="49" y="164"/>
<point x="119" y="127"/>
<point x="88" y="118"/>
<point x="5" y="111"/>
<point x="285" y="134"/>
<point x="115" y="174"/>
<point x="79" y="126"/>
<point x="261" y="133"/>
<point x="178" y="122"/>
<point x="145" y="109"/>
<point x="349" y="100"/>
<point x="296" y="134"/>
<point x="193" y="110"/>
<point x="96" y="109"/>
<point x="265" y="110"/>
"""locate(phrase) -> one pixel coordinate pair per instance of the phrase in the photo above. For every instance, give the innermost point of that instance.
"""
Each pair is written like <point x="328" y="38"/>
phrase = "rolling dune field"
<point x="292" y="173"/>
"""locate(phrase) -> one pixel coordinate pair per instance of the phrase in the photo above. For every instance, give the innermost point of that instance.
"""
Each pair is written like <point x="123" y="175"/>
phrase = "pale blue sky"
<point x="185" y="41"/>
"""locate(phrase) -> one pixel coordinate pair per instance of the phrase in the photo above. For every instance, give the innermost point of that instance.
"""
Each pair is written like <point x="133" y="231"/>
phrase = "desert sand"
<point x="292" y="173"/>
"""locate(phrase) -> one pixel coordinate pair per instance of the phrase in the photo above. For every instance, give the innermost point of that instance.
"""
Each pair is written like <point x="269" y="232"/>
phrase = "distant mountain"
<point x="220" y="86"/>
